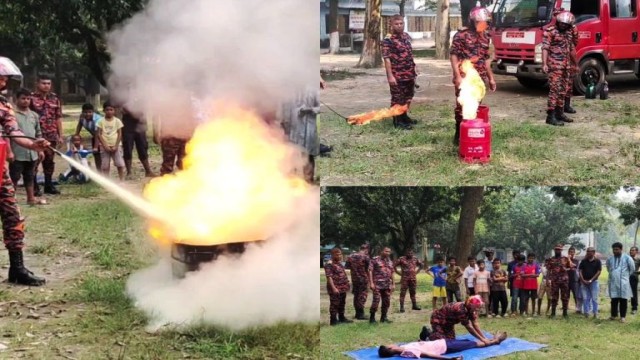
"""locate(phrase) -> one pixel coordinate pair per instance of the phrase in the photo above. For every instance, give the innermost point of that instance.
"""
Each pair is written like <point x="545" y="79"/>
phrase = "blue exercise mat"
<point x="510" y="345"/>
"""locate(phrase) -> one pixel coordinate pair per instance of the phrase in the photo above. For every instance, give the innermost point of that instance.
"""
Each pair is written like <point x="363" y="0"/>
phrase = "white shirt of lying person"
<point x="415" y="349"/>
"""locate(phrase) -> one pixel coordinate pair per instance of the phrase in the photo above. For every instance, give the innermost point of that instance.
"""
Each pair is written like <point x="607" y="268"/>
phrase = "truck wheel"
<point x="589" y="68"/>
<point x="530" y="83"/>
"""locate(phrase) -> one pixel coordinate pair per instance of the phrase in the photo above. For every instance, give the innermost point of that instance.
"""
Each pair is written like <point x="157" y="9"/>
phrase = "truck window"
<point x="585" y="9"/>
<point x="521" y="13"/>
<point x="623" y="8"/>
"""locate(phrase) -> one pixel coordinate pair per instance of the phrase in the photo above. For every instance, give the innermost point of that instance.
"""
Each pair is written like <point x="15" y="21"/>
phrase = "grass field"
<point x="525" y="152"/>
<point x="574" y="338"/>
<point x="87" y="243"/>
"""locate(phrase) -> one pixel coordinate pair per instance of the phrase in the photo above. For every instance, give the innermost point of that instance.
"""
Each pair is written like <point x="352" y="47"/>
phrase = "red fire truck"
<point x="608" y="38"/>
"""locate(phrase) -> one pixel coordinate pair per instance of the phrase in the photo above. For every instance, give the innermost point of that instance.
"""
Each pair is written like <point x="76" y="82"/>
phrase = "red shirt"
<point x="518" y="281"/>
<point x="532" y="282"/>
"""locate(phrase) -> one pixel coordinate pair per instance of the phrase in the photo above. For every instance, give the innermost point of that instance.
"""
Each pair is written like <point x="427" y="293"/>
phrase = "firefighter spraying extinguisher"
<point x="12" y="221"/>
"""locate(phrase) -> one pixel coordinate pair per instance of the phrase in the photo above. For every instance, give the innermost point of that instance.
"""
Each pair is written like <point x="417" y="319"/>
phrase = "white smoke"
<point x="276" y="281"/>
<point x="252" y="52"/>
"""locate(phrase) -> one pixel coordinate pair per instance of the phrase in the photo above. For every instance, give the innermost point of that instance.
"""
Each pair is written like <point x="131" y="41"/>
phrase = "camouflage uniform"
<point x="468" y="44"/>
<point x="173" y="152"/>
<point x="358" y="263"/>
<point x="558" y="45"/>
<point x="408" y="279"/>
<point x="336" y="272"/>
<point x="572" y="73"/>
<point x="12" y="223"/>
<point x="397" y="48"/>
<point x="49" y="108"/>
<point x="559" y="278"/>
<point x="382" y="275"/>
<point x="444" y="319"/>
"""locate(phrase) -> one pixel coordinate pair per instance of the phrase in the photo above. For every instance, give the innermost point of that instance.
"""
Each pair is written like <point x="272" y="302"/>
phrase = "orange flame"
<point x="472" y="90"/>
<point x="237" y="184"/>
<point x="365" y="118"/>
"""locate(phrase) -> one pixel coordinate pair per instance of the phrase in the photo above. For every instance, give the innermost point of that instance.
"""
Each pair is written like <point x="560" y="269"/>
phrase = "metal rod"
<point x="31" y="138"/>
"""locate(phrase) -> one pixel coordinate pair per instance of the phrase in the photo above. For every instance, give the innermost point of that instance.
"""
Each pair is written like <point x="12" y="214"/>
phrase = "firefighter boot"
<point x="360" y="315"/>
<point x="561" y="116"/>
<point x="343" y="319"/>
<point x="147" y="169"/>
<point x="408" y="119"/>
<point x="333" y="321"/>
<point x="372" y="317"/>
<point x="384" y="319"/>
<point x="48" y="186"/>
<point x="553" y="311"/>
<point x="401" y="308"/>
<point x="567" y="106"/>
<point x="564" y="313"/>
<point x="19" y="274"/>
<point x="552" y="120"/>
<point x="416" y="307"/>
<point x="456" y="136"/>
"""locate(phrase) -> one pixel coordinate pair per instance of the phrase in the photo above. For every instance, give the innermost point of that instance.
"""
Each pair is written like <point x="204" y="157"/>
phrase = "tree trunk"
<point x="635" y="237"/>
<point x="371" y="53"/>
<point x="401" y="5"/>
<point x="58" y="74"/>
<point x="334" y="34"/>
<point x="442" y="30"/>
<point x="469" y="211"/>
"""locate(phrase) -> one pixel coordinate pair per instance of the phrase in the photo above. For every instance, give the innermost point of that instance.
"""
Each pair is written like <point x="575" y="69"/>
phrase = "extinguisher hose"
<point x="31" y="138"/>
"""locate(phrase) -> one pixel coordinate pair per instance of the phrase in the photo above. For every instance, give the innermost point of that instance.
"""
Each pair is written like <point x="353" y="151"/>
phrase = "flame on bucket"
<point x="237" y="185"/>
<point x="472" y="90"/>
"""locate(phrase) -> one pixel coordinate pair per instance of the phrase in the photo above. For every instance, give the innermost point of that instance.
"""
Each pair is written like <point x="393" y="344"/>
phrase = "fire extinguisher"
<point x="590" y="92"/>
<point x="604" y="91"/>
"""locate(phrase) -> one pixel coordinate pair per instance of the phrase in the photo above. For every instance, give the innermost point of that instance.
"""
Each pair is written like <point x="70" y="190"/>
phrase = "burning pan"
<point x="186" y="258"/>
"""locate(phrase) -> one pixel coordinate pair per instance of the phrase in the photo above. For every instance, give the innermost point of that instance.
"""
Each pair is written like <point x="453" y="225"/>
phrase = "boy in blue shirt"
<point x="439" y="274"/>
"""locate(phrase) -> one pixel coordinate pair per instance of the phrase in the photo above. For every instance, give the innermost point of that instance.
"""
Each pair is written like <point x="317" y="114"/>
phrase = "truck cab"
<point x="607" y="39"/>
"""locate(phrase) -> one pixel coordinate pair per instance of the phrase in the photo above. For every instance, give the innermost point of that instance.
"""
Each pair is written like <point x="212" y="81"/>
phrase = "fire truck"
<point x="607" y="31"/>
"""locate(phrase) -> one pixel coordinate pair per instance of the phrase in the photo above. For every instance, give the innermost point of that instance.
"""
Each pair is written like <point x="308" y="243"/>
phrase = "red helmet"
<point x="566" y="17"/>
<point x="479" y="14"/>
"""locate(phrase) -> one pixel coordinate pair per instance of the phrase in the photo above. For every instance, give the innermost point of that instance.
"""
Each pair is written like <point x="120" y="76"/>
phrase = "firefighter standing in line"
<point x="573" y="70"/>
<point x="557" y="48"/>
<point x="12" y="222"/>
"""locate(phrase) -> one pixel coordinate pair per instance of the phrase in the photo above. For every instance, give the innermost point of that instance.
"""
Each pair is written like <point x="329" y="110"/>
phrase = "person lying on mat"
<point x="435" y="349"/>
<point x="444" y="319"/>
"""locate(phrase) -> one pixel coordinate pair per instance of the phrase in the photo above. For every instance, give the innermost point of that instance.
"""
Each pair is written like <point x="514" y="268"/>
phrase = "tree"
<point x="442" y="30"/>
<point x="334" y="34"/>
<point x="401" y="5"/>
<point x="470" y="205"/>
<point x="630" y="214"/>
<point x="371" y="56"/>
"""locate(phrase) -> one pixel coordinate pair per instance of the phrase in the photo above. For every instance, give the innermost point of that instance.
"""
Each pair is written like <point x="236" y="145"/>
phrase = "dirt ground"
<point x="511" y="100"/>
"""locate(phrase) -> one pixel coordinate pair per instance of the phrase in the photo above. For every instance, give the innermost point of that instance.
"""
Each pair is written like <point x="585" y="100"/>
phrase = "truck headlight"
<point x="538" y="54"/>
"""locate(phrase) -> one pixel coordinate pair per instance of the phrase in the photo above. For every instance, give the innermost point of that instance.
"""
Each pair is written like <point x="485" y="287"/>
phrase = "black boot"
<point x="561" y="116"/>
<point x="372" y="317"/>
<point x="333" y="321"/>
<point x="19" y="274"/>
<point x="564" y="314"/>
<point x="425" y="333"/>
<point x="400" y="123"/>
<point x="343" y="319"/>
<point x="325" y="150"/>
<point x="401" y="308"/>
<point x="48" y="186"/>
<point x="553" y="312"/>
<point x="384" y="319"/>
<point x="552" y="120"/>
<point x="567" y="106"/>
<point x="409" y="120"/>
<point x="415" y="307"/>
<point x="456" y="136"/>
<point x="360" y="314"/>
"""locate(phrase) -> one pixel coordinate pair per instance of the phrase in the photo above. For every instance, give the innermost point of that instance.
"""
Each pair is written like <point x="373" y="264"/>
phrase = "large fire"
<point x="365" y="118"/>
<point x="472" y="90"/>
<point x="237" y="184"/>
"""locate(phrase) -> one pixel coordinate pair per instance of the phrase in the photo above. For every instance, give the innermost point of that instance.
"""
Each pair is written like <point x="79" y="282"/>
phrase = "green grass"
<point x="524" y="150"/>
<point x="575" y="338"/>
<point x="424" y="53"/>
<point x="99" y="243"/>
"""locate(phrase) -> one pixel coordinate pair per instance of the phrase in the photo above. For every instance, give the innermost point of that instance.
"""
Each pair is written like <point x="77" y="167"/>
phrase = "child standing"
<point x="531" y="271"/>
<point x="499" y="280"/>
<point x="110" y="135"/>
<point x="468" y="275"/>
<point x="454" y="273"/>
<point x="518" y="283"/>
<point x="439" y="275"/>
<point x="337" y="287"/>
<point x="481" y="286"/>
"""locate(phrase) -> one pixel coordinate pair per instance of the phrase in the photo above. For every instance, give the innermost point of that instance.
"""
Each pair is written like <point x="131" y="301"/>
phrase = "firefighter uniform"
<point x="408" y="281"/>
<point x="358" y="264"/>
<point x="557" y="272"/>
<point x="397" y="48"/>
<point x="558" y="42"/>
<point x="49" y="108"/>
<point x="382" y="277"/>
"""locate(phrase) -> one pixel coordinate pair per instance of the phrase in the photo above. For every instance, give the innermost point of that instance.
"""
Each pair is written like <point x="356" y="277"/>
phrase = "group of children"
<point x="488" y="280"/>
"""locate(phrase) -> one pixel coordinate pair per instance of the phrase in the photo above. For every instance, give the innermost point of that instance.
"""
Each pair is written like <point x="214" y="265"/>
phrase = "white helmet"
<point x="9" y="69"/>
<point x="479" y="14"/>
<point x="566" y="17"/>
